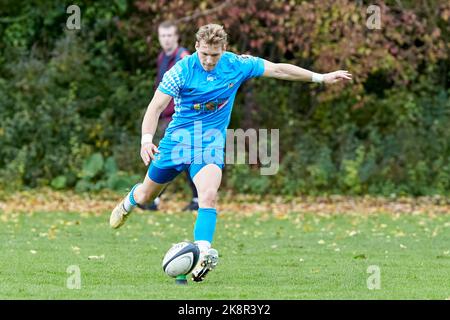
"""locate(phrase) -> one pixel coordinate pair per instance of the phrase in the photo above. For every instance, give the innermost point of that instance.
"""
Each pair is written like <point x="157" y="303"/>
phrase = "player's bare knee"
<point x="207" y="197"/>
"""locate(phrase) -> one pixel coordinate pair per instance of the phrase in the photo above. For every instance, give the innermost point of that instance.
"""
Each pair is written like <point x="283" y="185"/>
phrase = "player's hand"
<point x="148" y="151"/>
<point x="337" y="76"/>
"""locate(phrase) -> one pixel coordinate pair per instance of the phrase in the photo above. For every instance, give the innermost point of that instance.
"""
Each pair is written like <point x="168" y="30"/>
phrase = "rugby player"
<point x="203" y="86"/>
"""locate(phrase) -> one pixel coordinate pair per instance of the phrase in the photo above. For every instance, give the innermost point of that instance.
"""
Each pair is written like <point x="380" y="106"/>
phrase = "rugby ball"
<point x="180" y="259"/>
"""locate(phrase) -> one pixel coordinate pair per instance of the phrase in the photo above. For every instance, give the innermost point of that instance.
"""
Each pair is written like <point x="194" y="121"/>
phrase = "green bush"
<point x="98" y="174"/>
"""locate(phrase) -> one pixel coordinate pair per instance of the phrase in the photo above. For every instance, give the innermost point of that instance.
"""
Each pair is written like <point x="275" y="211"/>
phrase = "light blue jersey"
<point x="203" y="104"/>
<point x="204" y="99"/>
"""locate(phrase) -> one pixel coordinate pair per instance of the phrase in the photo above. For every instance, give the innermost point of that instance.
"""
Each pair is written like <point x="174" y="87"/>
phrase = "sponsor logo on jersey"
<point x="210" y="106"/>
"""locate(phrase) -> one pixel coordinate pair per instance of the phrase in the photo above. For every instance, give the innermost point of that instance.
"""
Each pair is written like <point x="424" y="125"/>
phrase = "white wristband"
<point x="317" y="77"/>
<point x="148" y="137"/>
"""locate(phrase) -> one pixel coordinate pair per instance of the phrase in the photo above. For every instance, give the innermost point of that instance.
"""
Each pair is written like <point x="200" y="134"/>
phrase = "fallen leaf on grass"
<point x="353" y="233"/>
<point x="76" y="249"/>
<point x="444" y="255"/>
<point x="435" y="232"/>
<point x="257" y="234"/>
<point x="400" y="234"/>
<point x="96" y="257"/>
<point x="52" y="233"/>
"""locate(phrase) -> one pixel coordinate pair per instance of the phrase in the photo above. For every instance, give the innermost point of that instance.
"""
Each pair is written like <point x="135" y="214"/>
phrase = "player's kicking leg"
<point x="141" y="193"/>
<point x="207" y="182"/>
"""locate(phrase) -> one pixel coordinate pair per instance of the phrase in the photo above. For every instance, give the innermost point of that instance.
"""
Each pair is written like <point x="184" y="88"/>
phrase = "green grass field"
<point x="298" y="256"/>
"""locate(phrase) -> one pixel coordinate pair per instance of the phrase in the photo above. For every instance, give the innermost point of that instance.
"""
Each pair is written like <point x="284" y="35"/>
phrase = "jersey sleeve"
<point x="252" y="67"/>
<point x="173" y="80"/>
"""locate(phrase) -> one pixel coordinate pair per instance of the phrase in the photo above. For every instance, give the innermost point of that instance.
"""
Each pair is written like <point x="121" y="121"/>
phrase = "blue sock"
<point x="205" y="225"/>
<point x="129" y="202"/>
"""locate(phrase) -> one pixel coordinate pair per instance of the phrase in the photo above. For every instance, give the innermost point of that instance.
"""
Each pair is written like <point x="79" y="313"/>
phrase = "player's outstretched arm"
<point x="150" y="123"/>
<point x="291" y="72"/>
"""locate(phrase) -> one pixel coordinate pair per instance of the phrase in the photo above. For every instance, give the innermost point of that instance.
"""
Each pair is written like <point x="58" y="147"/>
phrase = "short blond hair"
<point x="212" y="34"/>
